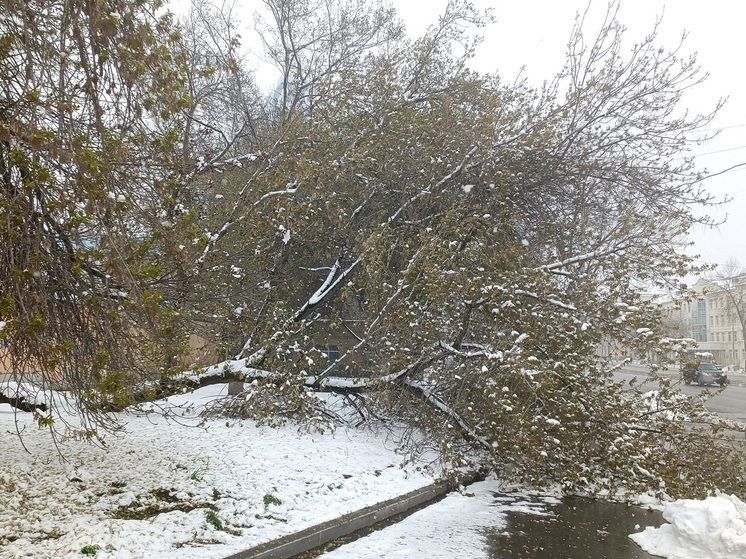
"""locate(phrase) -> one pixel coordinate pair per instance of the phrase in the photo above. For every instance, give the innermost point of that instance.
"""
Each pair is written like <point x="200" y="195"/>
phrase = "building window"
<point x="330" y="351"/>
<point x="699" y="321"/>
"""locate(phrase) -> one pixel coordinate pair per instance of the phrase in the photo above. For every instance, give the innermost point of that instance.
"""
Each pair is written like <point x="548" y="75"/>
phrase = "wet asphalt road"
<point x="577" y="528"/>
<point x="730" y="402"/>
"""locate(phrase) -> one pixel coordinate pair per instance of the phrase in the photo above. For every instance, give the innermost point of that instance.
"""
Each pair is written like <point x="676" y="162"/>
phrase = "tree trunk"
<point x="235" y="388"/>
<point x="20" y="403"/>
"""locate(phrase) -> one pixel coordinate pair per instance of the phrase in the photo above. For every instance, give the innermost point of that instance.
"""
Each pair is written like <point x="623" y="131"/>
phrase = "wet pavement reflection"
<point x="575" y="528"/>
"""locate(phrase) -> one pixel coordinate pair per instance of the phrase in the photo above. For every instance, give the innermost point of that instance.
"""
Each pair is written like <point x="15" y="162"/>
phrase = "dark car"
<point x="704" y="374"/>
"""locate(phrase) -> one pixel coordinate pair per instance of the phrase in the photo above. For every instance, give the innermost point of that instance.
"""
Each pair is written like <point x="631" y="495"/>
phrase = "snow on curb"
<point x="368" y="518"/>
<point x="167" y="489"/>
<point x="713" y="528"/>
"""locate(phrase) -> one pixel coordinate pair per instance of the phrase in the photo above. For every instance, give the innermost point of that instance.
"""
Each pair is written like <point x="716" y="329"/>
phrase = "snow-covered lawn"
<point x="170" y="489"/>
<point x="713" y="528"/>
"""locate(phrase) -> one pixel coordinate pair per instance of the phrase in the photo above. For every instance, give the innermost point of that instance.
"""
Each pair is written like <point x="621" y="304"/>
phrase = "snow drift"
<point x="714" y="528"/>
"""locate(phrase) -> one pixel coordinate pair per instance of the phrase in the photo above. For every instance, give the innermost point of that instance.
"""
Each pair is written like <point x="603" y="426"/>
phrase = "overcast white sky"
<point x="533" y="34"/>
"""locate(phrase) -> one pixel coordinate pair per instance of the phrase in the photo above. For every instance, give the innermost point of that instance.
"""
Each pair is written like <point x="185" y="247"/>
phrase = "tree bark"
<point x="235" y="388"/>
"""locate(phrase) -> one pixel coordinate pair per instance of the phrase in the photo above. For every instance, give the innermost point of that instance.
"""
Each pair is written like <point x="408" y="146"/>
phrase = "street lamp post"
<point x="733" y="358"/>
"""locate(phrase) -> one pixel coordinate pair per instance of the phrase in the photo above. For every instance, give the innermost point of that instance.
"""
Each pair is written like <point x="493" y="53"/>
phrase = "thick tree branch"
<point x="20" y="403"/>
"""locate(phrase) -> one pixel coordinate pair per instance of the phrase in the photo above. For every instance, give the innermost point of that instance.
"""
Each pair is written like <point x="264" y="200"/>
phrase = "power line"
<point x="717" y="128"/>
<point x="720" y="151"/>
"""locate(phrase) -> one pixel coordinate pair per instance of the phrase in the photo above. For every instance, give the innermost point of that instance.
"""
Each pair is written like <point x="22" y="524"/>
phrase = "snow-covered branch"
<point x="240" y="204"/>
<point x="331" y="282"/>
<point x="578" y="259"/>
<point x="430" y="397"/>
<point x="366" y="337"/>
<point x="567" y="262"/>
<point x="483" y="352"/>
<point x="21" y="403"/>
<point x="430" y="189"/>
<point x="213" y="238"/>
<point x="549" y="300"/>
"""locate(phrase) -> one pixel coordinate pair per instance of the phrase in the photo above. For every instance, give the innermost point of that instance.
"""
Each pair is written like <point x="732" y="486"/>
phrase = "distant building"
<point x="708" y="318"/>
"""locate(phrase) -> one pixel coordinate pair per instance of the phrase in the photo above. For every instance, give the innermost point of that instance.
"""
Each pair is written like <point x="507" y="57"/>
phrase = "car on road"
<point x="704" y="374"/>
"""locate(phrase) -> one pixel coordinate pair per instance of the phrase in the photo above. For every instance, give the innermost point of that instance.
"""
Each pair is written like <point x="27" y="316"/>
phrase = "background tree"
<point x="81" y="82"/>
<point x="730" y="282"/>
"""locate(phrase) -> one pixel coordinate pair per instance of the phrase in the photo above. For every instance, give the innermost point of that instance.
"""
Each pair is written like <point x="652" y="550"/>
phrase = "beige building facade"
<point x="709" y="318"/>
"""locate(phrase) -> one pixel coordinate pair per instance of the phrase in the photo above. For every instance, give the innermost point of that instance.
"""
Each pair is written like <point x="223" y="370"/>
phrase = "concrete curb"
<point x="320" y="534"/>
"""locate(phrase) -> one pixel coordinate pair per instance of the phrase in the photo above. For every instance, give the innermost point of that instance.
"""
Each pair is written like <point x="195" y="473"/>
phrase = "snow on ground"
<point x="454" y="527"/>
<point x="713" y="528"/>
<point x="167" y="489"/>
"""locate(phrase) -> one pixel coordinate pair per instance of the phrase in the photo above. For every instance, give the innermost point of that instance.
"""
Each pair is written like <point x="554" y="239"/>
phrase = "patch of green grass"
<point x="270" y="517"/>
<point x="137" y="511"/>
<point x="213" y="519"/>
<point x="90" y="550"/>
<point x="198" y="474"/>
<point x="270" y="499"/>
<point x="165" y="495"/>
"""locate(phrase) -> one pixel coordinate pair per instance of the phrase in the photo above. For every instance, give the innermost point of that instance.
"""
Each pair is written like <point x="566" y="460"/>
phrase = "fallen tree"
<point x="478" y="240"/>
